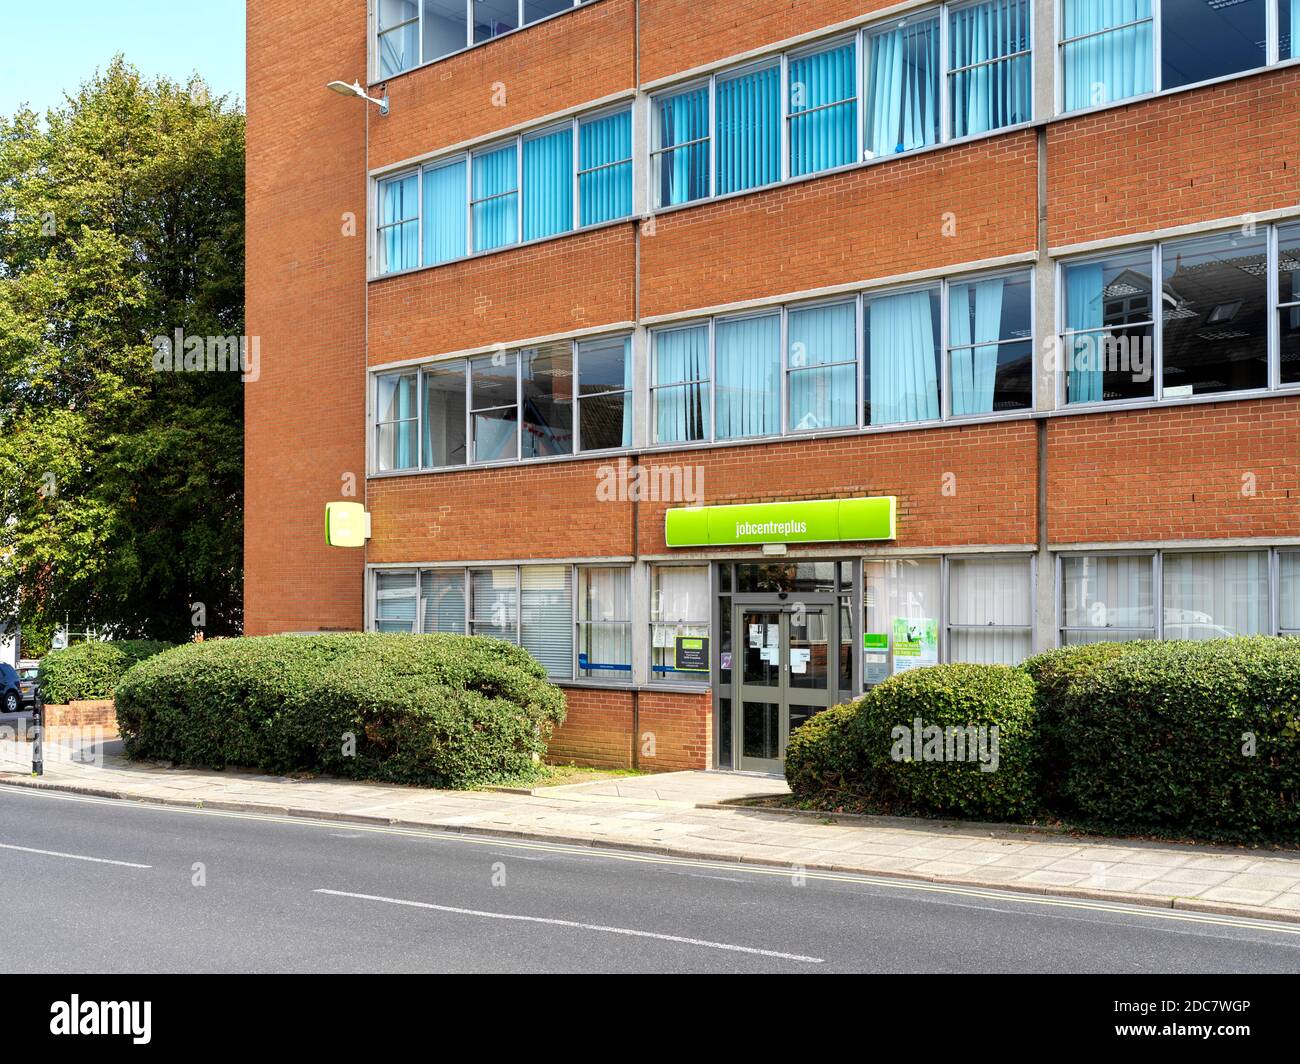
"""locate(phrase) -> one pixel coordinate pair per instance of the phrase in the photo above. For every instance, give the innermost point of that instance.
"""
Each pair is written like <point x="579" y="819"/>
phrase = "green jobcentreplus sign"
<point x="815" y="521"/>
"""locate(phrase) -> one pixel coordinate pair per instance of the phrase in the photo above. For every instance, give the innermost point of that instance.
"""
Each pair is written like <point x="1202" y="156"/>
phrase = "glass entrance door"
<point x="787" y="671"/>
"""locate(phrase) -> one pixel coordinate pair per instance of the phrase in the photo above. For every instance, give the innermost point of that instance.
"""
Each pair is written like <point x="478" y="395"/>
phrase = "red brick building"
<point x="1025" y="273"/>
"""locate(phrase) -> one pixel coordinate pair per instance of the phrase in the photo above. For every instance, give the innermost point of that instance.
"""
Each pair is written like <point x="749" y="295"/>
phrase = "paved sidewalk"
<point x="679" y="813"/>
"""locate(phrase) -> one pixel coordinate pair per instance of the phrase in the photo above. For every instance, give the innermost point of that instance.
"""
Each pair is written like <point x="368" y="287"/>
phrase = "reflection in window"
<point x="546" y="390"/>
<point x="493" y="18"/>
<point x="1108" y="347"/>
<point x="444" y="415"/>
<point x="990" y="345"/>
<point x="1107" y="599"/>
<point x="494" y="411"/>
<point x="605" y="393"/>
<point x="1212" y="596"/>
<point x="1200" y="41"/>
<point x="681" y="385"/>
<point x="1215" y="306"/>
<point x="1288" y="299"/>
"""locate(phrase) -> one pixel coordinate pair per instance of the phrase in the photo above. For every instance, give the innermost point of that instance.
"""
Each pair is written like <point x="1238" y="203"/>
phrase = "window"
<point x="1109" y="343"/>
<point x="989" y="610"/>
<point x="1288" y="21"/>
<point x="903" y="86"/>
<point x="748" y="375"/>
<point x="748" y="125"/>
<point x="411" y="33"/>
<point x="681" y="153"/>
<point x="679" y="610"/>
<point x="822" y="367"/>
<point x="823" y="109"/>
<point x="605" y="167"/>
<point x="1213" y="331"/>
<point x="1212" y="596"/>
<point x="495" y="202"/>
<point x="1288" y="299"/>
<point x="605" y="393"/>
<point x="1289" y="612"/>
<point x="395" y="598"/>
<point x="442" y="601"/>
<point x="991" y="350"/>
<point x="604" y="624"/>
<point x="399" y="224"/>
<point x="445" y="392"/>
<point x="1109" y="48"/>
<point x="548" y="183"/>
<point x="546" y="616"/>
<point x="1107" y="598"/>
<point x="397" y="421"/>
<point x="902" y="601"/>
<point x="399" y="36"/>
<point x="531" y="606"/>
<point x="1177" y="595"/>
<point x="990" y="72"/>
<point x="494" y="407"/>
<point x="902" y="357"/>
<point x="546" y="386"/>
<point x="681" y="385"/>
<point x="507" y="405"/>
<point x="495" y="197"/>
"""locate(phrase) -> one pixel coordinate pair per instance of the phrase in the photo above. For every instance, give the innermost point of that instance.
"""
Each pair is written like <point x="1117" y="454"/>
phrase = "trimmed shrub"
<point x="1189" y="738"/>
<point x="91" y="670"/>
<point x="871" y="750"/>
<point x="821" y="757"/>
<point x="437" y="710"/>
<point x="1053" y="671"/>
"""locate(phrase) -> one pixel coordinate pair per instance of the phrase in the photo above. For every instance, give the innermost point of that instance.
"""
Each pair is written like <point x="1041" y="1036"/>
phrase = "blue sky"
<point x="52" y="46"/>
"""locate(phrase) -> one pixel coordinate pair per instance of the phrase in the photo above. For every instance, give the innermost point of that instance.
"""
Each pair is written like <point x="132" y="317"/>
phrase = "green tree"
<point x="121" y="220"/>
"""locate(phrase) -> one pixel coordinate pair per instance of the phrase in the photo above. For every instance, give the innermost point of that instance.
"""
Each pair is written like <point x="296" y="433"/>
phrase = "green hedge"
<point x="868" y="751"/>
<point x="438" y="710"/>
<point x="91" y="670"/>
<point x="1158" y="740"/>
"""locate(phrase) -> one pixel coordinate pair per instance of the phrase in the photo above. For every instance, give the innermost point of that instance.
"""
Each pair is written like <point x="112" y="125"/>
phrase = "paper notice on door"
<point x="755" y="635"/>
<point x="799" y="660"/>
<point x="773" y="634"/>
<point x="770" y="655"/>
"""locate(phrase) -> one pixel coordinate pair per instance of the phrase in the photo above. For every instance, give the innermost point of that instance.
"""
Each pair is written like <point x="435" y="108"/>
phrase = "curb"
<point x="1147" y="901"/>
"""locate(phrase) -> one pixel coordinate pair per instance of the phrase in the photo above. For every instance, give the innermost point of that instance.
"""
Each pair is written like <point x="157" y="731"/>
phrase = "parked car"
<point x="10" y="689"/>
<point x="27" y="672"/>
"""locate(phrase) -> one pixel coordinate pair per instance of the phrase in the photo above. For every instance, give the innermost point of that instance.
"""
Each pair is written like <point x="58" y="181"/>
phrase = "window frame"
<point x="374" y="36"/>
<point x="662" y="674"/>
<point x="468" y="157"/>
<point x="1273" y="561"/>
<point x="626" y="677"/>
<point x="1272" y="56"/>
<point x="380" y="424"/>
<point x="1272" y="284"/>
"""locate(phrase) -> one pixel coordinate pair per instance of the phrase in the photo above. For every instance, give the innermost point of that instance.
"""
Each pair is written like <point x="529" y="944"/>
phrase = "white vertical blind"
<point x="1289" y="585"/>
<point x="395" y="600"/>
<point x="546" y="617"/>
<point x="1212" y="596"/>
<point x="1108" y="598"/>
<point x="992" y="596"/>
<point x="443" y="600"/>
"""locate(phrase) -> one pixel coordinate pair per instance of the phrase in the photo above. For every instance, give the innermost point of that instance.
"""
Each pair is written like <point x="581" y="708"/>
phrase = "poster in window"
<point x="692" y="654"/>
<point x="916" y="643"/>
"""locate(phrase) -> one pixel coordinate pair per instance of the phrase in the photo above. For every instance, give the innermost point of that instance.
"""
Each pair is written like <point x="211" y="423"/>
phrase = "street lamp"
<point x="355" y="89"/>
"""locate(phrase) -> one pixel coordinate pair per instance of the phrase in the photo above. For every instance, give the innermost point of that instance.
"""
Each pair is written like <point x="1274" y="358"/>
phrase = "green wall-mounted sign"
<point x="817" y="521"/>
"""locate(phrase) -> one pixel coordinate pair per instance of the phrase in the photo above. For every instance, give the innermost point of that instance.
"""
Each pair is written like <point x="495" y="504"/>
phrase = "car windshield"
<point x="27" y="674"/>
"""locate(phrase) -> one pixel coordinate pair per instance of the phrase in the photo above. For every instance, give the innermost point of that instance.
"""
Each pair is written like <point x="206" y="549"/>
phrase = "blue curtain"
<point x="684" y="172"/>
<point x="548" y="184"/>
<point x="397" y="412"/>
<point x="995" y="94"/>
<point x="605" y="150"/>
<point x="904" y="377"/>
<point x="444" y="213"/>
<point x="749" y="130"/>
<point x="747" y="365"/>
<point x="495" y="220"/>
<point x="399" y="211"/>
<point x="1108" y="66"/>
<point x="1295" y="29"/>
<point x="903" y="86"/>
<point x="823" y="395"/>
<point x="682" y="412"/>
<point x="975" y="323"/>
<point x="1083" y="302"/>
<point x="827" y="137"/>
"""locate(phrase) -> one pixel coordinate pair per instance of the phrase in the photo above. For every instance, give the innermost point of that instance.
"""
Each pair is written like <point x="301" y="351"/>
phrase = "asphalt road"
<point x="94" y="885"/>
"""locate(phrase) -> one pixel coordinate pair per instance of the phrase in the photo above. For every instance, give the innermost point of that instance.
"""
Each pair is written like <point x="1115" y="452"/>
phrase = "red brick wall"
<point x="305" y="417"/>
<point x="1209" y="153"/>
<point x="873" y="222"/>
<point x="1175" y="473"/>
<point x="574" y="282"/>
<point x="676" y="726"/>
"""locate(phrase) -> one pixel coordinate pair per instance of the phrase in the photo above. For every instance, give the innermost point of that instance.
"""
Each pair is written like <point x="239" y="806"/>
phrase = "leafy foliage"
<point x="121" y="219"/>
<point x="439" y="710"/>
<point x="91" y="670"/>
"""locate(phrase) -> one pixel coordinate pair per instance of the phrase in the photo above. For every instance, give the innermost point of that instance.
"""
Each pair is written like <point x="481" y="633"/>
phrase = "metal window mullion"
<point x="519" y="605"/>
<point x="860" y="360"/>
<point x="1158" y="591"/>
<point x="576" y="161"/>
<point x="785" y="116"/>
<point x="469" y="199"/>
<point x="713" y="140"/>
<point x="713" y="380"/>
<point x="519" y="406"/>
<point x="419" y="417"/>
<point x="469" y="415"/>
<point x="860" y="63"/>
<point x="1157" y="48"/>
<point x="945" y="612"/>
<point x="1157" y="318"/>
<point x="945" y="119"/>
<point x="469" y="23"/>
<point x="945" y="374"/>
<point x="519" y="190"/>
<point x="785" y="371"/>
<point x="1008" y="57"/>
<point x="1273" y="257"/>
<point x="1107" y="29"/>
